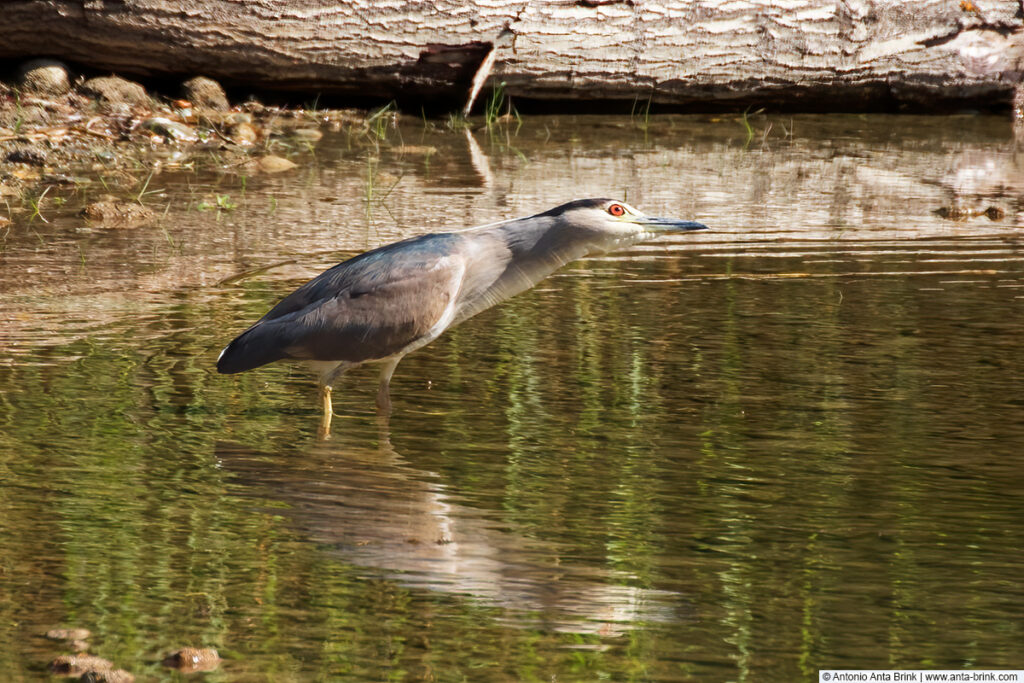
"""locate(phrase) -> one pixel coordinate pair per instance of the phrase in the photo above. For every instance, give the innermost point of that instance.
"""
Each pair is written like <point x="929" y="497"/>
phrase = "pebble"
<point x="25" y="173"/>
<point x="113" y="213"/>
<point x="113" y="676"/>
<point x="309" y="134"/>
<point x="68" y="634"/>
<point x="275" y="164"/>
<point x="189" y="659"/>
<point x="415" y="150"/>
<point x="34" y="115"/>
<point x="243" y="134"/>
<point x="237" y="117"/>
<point x="43" y="77"/>
<point x="114" y="90"/>
<point x="76" y="665"/>
<point x="205" y="92"/>
<point x="387" y="179"/>
<point x="32" y="155"/>
<point x="171" y="129"/>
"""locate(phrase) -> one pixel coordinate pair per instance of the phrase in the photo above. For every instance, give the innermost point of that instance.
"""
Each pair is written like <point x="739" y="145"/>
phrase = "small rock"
<point x="33" y="155"/>
<point x="171" y="129"/>
<point x="76" y="665"/>
<point x="113" y="213"/>
<point x="113" y="90"/>
<point x="113" y="676"/>
<point x="237" y="117"/>
<point x="308" y="134"/>
<point x="415" y="150"/>
<point x="24" y="173"/>
<point x="64" y="179"/>
<point x="387" y="179"/>
<point x="353" y="116"/>
<point x="275" y="164"/>
<point x="205" y="92"/>
<point x="68" y="634"/>
<point x="43" y="77"/>
<point x="189" y="659"/>
<point x="34" y="116"/>
<point x="243" y="134"/>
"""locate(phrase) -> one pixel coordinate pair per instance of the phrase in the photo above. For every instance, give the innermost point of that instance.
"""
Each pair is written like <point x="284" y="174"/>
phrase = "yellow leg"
<point x="383" y="400"/>
<point x="325" y="421"/>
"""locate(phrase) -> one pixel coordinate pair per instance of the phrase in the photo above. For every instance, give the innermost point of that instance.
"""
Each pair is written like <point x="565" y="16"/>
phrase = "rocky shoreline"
<point x="59" y="134"/>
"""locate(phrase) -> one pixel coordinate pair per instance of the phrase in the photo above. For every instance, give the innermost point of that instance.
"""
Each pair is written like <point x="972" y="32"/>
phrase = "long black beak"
<point x="670" y="224"/>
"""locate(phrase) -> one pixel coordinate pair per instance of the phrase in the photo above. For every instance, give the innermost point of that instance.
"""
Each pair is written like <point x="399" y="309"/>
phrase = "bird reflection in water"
<point x="378" y="512"/>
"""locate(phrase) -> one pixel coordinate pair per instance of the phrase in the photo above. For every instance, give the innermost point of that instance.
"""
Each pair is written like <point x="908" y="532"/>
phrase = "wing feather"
<point x="367" y="308"/>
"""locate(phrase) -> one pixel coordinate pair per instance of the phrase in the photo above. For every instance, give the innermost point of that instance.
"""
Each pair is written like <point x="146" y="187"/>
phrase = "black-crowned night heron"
<point x="390" y="301"/>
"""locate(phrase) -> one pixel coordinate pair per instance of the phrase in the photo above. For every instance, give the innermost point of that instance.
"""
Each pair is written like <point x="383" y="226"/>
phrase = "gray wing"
<point x="367" y="308"/>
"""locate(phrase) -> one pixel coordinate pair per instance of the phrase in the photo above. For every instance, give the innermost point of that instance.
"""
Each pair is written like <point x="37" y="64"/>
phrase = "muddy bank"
<point x="107" y="136"/>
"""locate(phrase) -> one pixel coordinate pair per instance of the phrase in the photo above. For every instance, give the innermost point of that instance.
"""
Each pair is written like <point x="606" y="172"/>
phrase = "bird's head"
<point x="611" y="222"/>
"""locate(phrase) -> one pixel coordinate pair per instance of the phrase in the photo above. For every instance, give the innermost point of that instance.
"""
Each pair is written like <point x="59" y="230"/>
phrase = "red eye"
<point x="616" y="210"/>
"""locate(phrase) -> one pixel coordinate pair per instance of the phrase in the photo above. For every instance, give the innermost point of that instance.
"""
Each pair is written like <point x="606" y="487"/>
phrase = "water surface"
<point x="792" y="442"/>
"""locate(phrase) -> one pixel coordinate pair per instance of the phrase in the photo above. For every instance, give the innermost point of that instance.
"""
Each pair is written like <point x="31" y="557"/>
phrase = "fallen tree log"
<point x="795" y="54"/>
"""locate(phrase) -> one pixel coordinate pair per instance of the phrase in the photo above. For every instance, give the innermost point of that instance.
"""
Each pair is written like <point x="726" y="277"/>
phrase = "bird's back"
<point x="367" y="308"/>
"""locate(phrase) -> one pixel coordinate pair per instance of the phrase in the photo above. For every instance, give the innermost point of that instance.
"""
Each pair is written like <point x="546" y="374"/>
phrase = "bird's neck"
<point x="512" y="257"/>
<point x="543" y="245"/>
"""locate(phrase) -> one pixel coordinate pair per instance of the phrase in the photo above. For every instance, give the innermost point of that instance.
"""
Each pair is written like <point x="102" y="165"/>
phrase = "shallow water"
<point x="792" y="442"/>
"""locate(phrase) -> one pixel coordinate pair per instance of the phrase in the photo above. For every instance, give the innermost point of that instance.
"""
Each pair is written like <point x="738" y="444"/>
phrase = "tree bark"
<point x="795" y="54"/>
